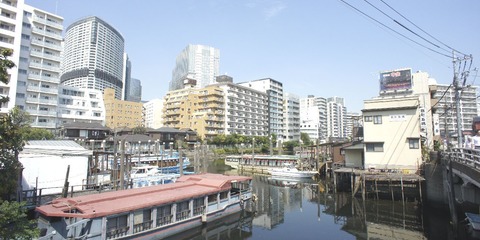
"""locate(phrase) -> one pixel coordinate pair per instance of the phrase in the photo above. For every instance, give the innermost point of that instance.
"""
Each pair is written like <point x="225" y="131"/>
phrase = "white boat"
<point x="290" y="170"/>
<point x="148" y="175"/>
<point x="154" y="212"/>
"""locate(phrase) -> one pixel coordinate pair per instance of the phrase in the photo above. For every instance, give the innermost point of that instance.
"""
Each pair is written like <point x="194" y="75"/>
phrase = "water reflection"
<point x="293" y="209"/>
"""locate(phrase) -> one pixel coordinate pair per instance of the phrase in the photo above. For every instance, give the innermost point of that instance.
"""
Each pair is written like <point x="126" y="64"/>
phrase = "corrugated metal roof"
<point x="53" y="143"/>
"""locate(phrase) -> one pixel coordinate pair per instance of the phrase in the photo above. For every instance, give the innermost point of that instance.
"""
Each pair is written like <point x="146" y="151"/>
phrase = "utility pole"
<point x="458" y="88"/>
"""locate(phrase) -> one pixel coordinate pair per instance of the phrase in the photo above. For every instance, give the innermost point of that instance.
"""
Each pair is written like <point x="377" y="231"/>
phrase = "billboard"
<point x="395" y="80"/>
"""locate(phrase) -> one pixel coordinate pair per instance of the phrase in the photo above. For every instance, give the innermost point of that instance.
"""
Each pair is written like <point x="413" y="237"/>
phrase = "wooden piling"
<point x="403" y="194"/>
<point x="376" y="188"/>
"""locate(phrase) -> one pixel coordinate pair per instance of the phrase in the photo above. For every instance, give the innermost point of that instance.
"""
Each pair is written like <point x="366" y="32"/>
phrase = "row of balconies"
<point x="40" y="100"/>
<point x="46" y="56"/>
<point x="48" y="22"/>
<point x="47" y="45"/>
<point x="48" y="33"/>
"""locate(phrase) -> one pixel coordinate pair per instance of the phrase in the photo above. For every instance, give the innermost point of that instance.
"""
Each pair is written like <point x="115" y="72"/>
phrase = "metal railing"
<point x="466" y="156"/>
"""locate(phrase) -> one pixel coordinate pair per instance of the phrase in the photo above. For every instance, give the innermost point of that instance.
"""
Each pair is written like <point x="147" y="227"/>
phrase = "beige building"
<point x="201" y="110"/>
<point x="121" y="114"/>
<point x="392" y="134"/>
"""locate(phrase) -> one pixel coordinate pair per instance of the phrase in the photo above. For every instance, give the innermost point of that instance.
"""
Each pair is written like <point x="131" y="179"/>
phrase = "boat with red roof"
<point x="146" y="213"/>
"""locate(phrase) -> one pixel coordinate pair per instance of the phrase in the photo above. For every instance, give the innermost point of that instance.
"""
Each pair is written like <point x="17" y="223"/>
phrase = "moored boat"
<point x="474" y="220"/>
<point x="291" y="171"/>
<point x="143" y="213"/>
<point x="259" y="161"/>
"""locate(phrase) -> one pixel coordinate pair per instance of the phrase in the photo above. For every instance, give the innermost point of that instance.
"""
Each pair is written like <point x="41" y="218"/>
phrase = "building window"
<point x="413" y="143"/>
<point x="374" y="147"/>
<point x="377" y="119"/>
<point x="368" y="118"/>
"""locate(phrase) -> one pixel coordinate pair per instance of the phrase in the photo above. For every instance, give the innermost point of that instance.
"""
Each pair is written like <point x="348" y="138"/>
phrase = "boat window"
<point x="142" y="220"/>
<point x="183" y="210"/>
<point x="164" y="215"/>
<point x="212" y="198"/>
<point x="223" y="195"/>
<point x="117" y="226"/>
<point x="198" y="206"/>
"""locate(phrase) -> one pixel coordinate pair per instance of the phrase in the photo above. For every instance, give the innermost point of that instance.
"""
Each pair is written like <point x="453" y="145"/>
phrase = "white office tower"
<point x="154" y="113"/>
<point x="93" y="56"/>
<point x="336" y="111"/>
<point x="313" y="117"/>
<point x="198" y="62"/>
<point x="80" y="105"/>
<point x="291" y="113"/>
<point x="274" y="90"/>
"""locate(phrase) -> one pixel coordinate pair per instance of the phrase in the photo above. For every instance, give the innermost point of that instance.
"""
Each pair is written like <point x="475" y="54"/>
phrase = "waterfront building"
<point x="80" y="105"/>
<point x="246" y="110"/>
<point x="154" y="113"/>
<point x="121" y="114"/>
<point x="221" y="108"/>
<point x="94" y="56"/>
<point x="274" y="91"/>
<point x="391" y="134"/>
<point x="291" y="111"/>
<point x="198" y="62"/>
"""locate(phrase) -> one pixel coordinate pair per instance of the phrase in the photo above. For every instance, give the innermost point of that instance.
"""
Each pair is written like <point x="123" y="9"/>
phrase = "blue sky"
<point x="322" y="48"/>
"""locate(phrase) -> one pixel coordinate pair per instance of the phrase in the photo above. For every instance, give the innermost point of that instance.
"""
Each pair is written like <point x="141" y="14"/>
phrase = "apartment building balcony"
<point x="42" y="113"/>
<point x="42" y="101"/>
<point x="46" y="56"/>
<point x="39" y="77"/>
<point x="46" y="67"/>
<point x="47" y="45"/>
<point x="44" y="124"/>
<point x="42" y="89"/>
<point x="53" y="35"/>
<point x="48" y="23"/>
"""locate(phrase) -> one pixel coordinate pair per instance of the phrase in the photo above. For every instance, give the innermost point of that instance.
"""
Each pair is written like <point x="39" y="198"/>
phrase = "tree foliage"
<point x="14" y="223"/>
<point x="37" y="134"/>
<point x="5" y="65"/>
<point x="139" y="130"/>
<point x="305" y="139"/>
<point x="12" y="141"/>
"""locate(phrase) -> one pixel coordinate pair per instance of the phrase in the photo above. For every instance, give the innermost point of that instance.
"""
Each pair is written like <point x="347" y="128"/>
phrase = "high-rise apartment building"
<point x="313" y="117"/>
<point x="94" y="56"/>
<point x="445" y="113"/>
<point x="336" y="111"/>
<point x="35" y="37"/>
<point x="11" y="37"/>
<point x="274" y="91"/>
<point x="291" y="113"/>
<point x="198" y="62"/>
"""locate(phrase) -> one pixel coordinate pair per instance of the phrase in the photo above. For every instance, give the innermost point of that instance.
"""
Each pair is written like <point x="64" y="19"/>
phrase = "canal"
<point x="309" y="209"/>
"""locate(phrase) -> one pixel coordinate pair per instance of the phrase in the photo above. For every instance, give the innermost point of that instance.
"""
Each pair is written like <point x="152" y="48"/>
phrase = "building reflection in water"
<point x="372" y="219"/>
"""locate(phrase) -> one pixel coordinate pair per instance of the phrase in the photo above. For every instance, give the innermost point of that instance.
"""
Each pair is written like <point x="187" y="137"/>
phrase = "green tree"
<point x="11" y="142"/>
<point x="14" y="223"/>
<point x="305" y="139"/>
<point x="37" y="134"/>
<point x="5" y="65"/>
<point x="139" y="130"/>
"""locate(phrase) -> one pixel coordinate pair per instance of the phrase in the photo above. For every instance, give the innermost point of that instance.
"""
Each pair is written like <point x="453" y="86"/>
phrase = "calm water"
<point x="288" y="209"/>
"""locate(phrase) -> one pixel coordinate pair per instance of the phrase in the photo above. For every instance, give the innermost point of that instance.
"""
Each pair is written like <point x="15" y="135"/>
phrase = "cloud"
<point x="274" y="10"/>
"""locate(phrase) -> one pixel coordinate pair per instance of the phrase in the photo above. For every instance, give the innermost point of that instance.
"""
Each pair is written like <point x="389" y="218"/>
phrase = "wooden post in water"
<point x="403" y="195"/>
<point x="335" y="183"/>
<point x="65" y="185"/>
<point x="122" y="164"/>
<point x="390" y="186"/>
<point x="352" y="184"/>
<point x="364" y="187"/>
<point x="420" y="187"/>
<point x="376" y="188"/>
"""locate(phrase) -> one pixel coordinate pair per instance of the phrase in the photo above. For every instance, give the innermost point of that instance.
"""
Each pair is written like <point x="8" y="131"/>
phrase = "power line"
<point x="405" y="27"/>
<point x="358" y="10"/>
<point x="440" y="98"/>
<point x="421" y="28"/>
